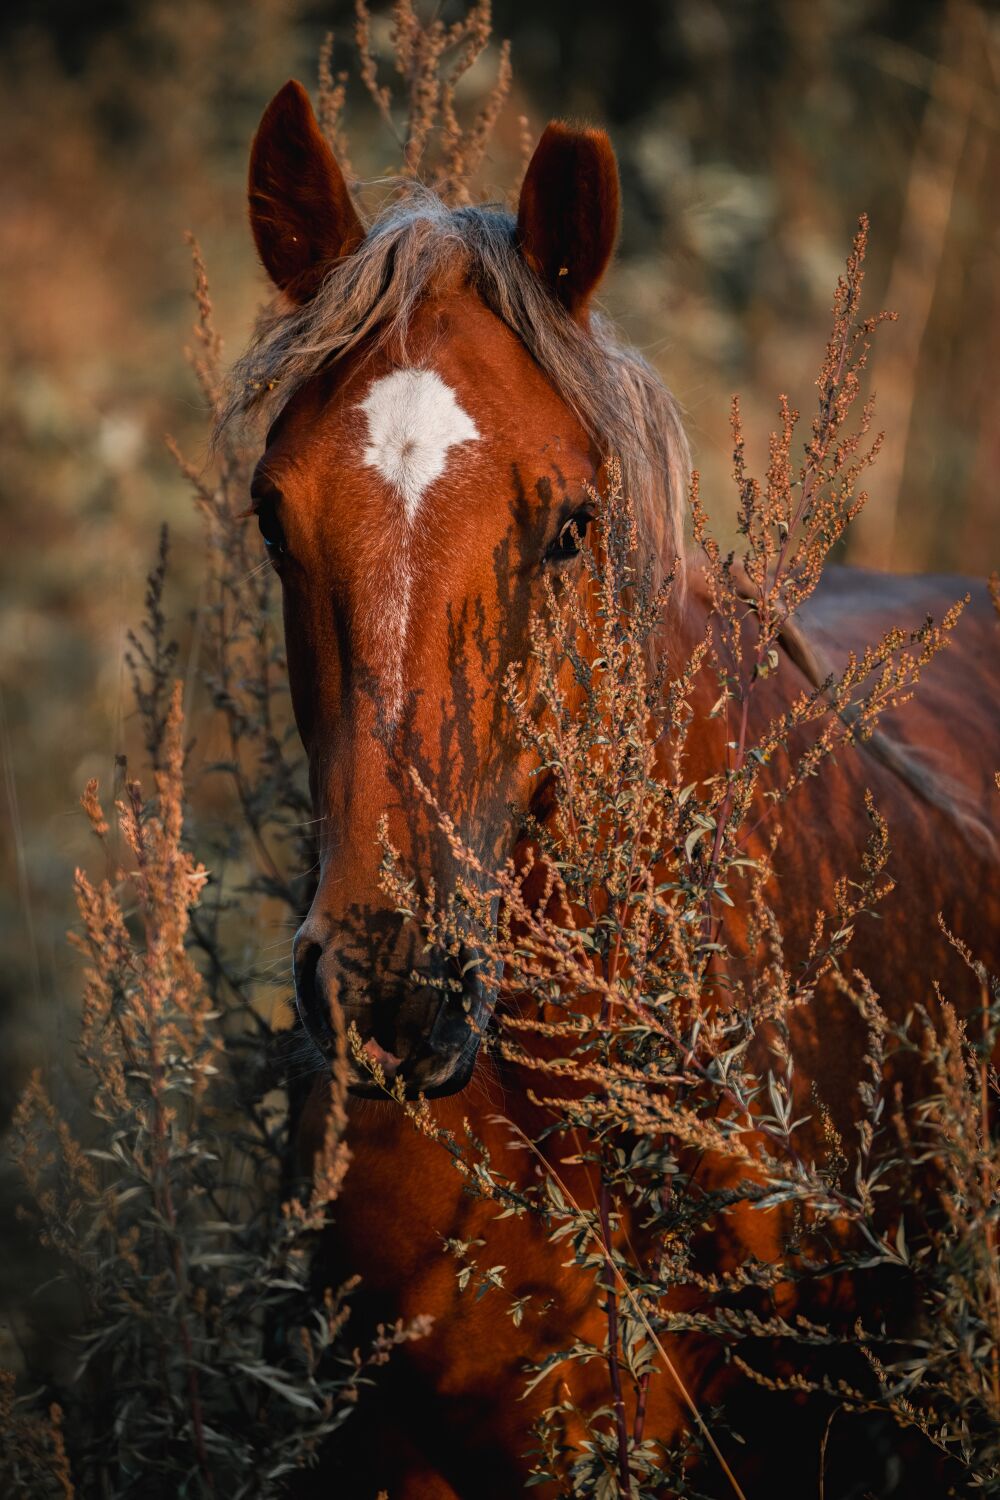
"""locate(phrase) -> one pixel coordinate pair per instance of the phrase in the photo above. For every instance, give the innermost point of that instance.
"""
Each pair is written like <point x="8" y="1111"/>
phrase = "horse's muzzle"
<point x="422" y="1036"/>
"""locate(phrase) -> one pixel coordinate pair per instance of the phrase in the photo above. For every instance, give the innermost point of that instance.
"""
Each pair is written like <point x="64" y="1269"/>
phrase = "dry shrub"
<point x="33" y="1457"/>
<point x="948" y="1384"/>
<point x="211" y="1357"/>
<point x="208" y="1355"/>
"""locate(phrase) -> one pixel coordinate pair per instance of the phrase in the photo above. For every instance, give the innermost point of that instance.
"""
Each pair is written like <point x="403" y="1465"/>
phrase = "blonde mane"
<point x="370" y="298"/>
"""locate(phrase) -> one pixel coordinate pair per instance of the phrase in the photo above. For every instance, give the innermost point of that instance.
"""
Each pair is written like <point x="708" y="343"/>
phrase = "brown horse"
<point x="444" y="396"/>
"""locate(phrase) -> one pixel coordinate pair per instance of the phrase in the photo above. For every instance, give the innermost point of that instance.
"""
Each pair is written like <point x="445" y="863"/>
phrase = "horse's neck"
<point x="685" y="619"/>
<point x="681" y="634"/>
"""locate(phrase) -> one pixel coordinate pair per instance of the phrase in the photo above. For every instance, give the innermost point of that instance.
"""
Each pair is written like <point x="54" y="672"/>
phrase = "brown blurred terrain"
<point x="750" y="138"/>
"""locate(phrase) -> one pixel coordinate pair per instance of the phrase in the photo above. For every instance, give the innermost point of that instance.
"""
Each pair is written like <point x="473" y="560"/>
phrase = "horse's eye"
<point x="270" y="527"/>
<point x="570" y="537"/>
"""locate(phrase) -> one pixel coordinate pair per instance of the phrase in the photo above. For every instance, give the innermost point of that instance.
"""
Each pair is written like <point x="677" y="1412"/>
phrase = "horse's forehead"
<point x="459" y="374"/>
<point x="388" y="447"/>
<point x="399" y="431"/>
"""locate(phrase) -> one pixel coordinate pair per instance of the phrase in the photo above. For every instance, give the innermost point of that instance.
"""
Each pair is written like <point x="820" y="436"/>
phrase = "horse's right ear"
<point x="300" y="209"/>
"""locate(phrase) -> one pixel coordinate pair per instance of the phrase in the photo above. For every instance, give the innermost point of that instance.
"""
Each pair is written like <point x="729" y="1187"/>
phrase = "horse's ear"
<point x="567" y="218"/>
<point x="300" y="209"/>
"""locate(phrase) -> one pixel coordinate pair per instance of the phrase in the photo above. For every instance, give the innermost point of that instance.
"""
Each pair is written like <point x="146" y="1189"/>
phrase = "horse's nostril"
<point x="387" y="1061"/>
<point x="471" y="969"/>
<point x="308" y="997"/>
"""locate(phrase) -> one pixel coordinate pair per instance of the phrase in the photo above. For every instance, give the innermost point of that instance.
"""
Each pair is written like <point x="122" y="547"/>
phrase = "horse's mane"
<point x="371" y="295"/>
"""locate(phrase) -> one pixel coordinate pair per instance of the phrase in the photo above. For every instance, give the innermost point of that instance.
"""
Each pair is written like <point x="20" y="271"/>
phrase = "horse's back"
<point x="952" y="720"/>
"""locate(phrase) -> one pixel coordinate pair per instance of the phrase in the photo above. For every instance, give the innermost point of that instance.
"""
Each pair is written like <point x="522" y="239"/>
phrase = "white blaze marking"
<point x="413" y="420"/>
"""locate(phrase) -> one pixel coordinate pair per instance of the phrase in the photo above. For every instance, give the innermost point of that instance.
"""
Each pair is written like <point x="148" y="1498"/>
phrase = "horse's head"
<point x="444" y="399"/>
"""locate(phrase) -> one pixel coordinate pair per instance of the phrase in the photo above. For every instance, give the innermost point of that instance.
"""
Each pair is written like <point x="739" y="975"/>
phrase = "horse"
<point x="444" y="395"/>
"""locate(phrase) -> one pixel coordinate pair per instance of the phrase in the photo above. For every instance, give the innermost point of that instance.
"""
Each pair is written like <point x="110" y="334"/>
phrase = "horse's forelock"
<point x="371" y="296"/>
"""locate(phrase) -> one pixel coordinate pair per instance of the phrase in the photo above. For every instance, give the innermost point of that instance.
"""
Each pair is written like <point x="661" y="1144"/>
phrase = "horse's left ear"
<point x="567" y="218"/>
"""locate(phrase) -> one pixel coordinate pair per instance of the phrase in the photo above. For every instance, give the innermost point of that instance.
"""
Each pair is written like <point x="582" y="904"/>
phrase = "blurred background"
<point x="751" y="134"/>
